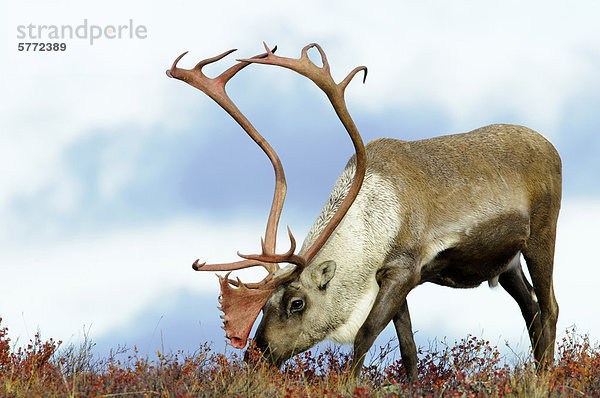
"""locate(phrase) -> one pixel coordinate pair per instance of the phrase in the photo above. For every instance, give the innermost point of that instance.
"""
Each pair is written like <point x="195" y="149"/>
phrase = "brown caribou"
<point x="455" y="210"/>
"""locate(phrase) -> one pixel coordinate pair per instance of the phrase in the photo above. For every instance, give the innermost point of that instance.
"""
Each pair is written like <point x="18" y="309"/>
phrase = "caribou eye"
<point x="296" y="305"/>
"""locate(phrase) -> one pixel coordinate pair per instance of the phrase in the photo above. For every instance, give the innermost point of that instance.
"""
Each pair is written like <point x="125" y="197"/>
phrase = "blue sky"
<point x="115" y="178"/>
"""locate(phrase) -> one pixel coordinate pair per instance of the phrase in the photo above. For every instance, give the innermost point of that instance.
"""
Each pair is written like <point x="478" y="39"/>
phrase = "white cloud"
<point x="105" y="280"/>
<point x="473" y="60"/>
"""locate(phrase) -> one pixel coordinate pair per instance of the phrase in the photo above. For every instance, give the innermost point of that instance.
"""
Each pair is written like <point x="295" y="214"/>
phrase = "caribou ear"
<point x="322" y="273"/>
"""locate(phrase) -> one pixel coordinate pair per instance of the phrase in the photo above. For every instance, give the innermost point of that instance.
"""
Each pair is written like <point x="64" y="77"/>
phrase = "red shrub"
<point x="469" y="368"/>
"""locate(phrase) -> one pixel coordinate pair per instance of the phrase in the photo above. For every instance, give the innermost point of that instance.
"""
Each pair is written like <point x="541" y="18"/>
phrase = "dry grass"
<point x="469" y="368"/>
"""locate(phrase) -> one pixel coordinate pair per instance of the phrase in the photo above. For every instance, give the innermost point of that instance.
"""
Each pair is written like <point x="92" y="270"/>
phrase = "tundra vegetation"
<point x="470" y="367"/>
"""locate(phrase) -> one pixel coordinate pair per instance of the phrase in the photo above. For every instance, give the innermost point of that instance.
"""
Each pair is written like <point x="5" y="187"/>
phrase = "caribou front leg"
<point x="408" y="348"/>
<point x="395" y="281"/>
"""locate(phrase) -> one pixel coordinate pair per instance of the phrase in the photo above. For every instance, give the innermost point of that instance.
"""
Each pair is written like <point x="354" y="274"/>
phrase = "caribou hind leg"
<point x="516" y="284"/>
<point x="539" y="255"/>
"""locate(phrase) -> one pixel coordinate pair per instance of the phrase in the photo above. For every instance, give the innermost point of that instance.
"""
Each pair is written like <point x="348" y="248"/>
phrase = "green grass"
<point x="469" y="368"/>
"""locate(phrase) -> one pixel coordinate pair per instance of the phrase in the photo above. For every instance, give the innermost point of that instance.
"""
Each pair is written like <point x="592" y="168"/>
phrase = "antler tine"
<point x="237" y="265"/>
<point x="344" y="83"/>
<point x="321" y="76"/>
<point x="258" y="285"/>
<point x="215" y="89"/>
<point x="288" y="257"/>
<point x="216" y="58"/>
<point x="175" y="64"/>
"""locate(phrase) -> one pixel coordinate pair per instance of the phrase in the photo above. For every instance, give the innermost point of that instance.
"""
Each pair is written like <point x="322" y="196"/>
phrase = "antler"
<point x="215" y="89"/>
<point x="321" y="76"/>
<point x="242" y="304"/>
<point x="236" y="323"/>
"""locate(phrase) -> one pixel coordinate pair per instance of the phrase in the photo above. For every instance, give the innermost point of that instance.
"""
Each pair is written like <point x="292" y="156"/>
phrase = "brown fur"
<point x="466" y="206"/>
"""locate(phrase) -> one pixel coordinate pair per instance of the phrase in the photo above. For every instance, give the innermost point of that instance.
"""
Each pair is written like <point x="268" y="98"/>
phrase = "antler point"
<point x="241" y="284"/>
<point x="226" y="278"/>
<point x="262" y="245"/>
<point x="174" y="66"/>
<point x="267" y="47"/>
<point x="196" y="266"/>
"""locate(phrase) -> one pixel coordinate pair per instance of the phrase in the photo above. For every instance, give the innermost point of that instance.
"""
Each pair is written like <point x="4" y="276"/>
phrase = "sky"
<point x="115" y="178"/>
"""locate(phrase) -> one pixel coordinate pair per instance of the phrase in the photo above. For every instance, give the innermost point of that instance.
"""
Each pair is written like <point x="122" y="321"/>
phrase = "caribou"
<point x="454" y="210"/>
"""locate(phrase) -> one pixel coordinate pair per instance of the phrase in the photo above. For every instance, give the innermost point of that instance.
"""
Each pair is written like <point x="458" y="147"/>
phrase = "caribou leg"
<point x="539" y="255"/>
<point x="395" y="282"/>
<point x="515" y="283"/>
<point x="408" y="348"/>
